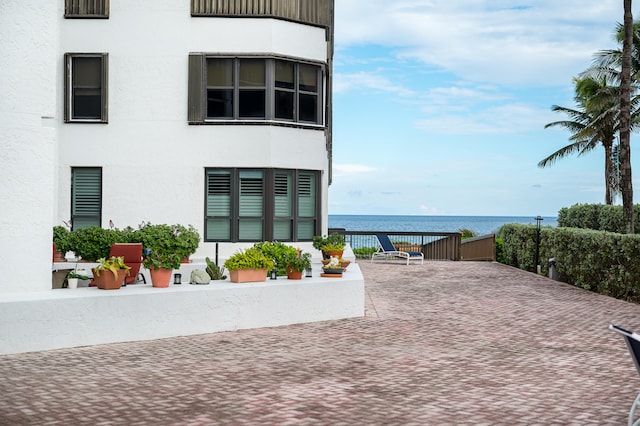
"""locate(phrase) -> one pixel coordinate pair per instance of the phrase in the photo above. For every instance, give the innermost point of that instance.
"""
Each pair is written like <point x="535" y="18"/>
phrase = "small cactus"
<point x="214" y="271"/>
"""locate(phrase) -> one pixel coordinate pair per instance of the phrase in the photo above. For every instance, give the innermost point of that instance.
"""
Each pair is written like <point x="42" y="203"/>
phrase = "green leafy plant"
<point x="159" y="238"/>
<point x="92" y="243"/>
<point x="113" y="264"/>
<point x="466" y="233"/>
<point x="364" y="252"/>
<point x="187" y="239"/>
<point x="278" y="252"/>
<point x="166" y="245"/>
<point x="74" y="274"/>
<point x="298" y="261"/>
<point x="252" y="258"/>
<point x="178" y="239"/>
<point x="333" y="241"/>
<point x="215" y="272"/>
<point x="161" y="260"/>
<point x="61" y="238"/>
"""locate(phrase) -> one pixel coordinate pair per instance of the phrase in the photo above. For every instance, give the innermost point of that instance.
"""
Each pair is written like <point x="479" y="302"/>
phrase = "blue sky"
<point x="440" y="106"/>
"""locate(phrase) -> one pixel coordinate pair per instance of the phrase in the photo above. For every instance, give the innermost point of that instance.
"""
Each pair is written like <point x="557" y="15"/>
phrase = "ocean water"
<point x="480" y="225"/>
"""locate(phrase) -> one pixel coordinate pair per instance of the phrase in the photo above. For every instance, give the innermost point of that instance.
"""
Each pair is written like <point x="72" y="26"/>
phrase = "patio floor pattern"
<point x="444" y="343"/>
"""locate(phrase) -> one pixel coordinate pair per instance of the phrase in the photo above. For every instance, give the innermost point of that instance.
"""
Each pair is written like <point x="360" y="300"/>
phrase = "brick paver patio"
<point x="443" y="343"/>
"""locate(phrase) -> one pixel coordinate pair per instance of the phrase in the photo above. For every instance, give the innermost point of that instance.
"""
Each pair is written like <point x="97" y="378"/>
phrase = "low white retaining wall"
<point x="65" y="318"/>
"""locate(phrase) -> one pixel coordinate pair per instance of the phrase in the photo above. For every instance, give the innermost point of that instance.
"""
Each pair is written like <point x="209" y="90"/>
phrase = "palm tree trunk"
<point x="608" y="172"/>
<point x="625" y="118"/>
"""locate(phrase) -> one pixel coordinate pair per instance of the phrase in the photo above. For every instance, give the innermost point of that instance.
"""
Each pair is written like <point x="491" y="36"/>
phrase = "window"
<point x="86" y="9"/>
<point x="261" y="204"/>
<point x="86" y="197"/>
<point x="86" y="87"/>
<point x="267" y="89"/>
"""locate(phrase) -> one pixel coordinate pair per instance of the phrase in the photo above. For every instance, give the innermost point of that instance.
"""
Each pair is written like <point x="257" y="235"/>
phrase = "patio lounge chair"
<point x="132" y="257"/>
<point x="389" y="251"/>
<point x="633" y="343"/>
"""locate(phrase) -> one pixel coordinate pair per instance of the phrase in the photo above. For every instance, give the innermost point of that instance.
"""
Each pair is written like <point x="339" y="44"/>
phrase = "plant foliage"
<point x="599" y="217"/>
<point x="252" y="258"/>
<point x="215" y="272"/>
<point x="113" y="264"/>
<point x="600" y="261"/>
<point x="333" y="241"/>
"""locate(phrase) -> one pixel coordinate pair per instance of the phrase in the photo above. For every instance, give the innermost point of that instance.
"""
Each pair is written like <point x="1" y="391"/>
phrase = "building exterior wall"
<point x="28" y="119"/>
<point x="153" y="160"/>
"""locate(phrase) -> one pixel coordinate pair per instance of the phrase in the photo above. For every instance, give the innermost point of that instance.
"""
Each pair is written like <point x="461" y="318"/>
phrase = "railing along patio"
<point x="434" y="245"/>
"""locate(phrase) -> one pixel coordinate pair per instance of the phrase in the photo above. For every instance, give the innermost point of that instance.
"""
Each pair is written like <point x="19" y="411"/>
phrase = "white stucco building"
<point x="204" y="112"/>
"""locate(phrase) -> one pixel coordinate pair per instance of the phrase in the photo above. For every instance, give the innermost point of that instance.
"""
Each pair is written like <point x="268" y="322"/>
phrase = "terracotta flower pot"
<point x="161" y="277"/>
<point x="248" y="275"/>
<point x="107" y="281"/>
<point x="58" y="256"/>
<point x="292" y="274"/>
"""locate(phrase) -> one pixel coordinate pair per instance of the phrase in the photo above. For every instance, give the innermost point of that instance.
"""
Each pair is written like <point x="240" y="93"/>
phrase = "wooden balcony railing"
<point x="86" y="8"/>
<point x="315" y="12"/>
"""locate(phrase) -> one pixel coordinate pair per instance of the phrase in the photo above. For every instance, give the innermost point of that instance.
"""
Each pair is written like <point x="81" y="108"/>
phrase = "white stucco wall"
<point x="28" y="120"/>
<point x="153" y="161"/>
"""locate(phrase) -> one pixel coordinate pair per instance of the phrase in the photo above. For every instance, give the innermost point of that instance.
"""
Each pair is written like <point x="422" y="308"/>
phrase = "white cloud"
<point x="368" y="80"/>
<point x="500" y="120"/>
<point x="506" y="42"/>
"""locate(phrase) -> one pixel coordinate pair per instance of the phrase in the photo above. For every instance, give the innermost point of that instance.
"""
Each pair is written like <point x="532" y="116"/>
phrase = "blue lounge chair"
<point x="388" y="251"/>
<point x="633" y="344"/>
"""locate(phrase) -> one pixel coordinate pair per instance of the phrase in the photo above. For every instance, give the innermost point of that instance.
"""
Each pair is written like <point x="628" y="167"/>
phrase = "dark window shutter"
<point x="196" y="95"/>
<point x="86" y="197"/>
<point x="105" y="88"/>
<point x="67" y="87"/>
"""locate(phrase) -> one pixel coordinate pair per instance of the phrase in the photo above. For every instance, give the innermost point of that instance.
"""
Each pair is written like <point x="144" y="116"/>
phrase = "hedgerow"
<point x="600" y="261"/>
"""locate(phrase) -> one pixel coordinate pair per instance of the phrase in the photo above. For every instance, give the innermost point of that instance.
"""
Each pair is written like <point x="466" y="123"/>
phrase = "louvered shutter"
<point x="251" y="205"/>
<point x="306" y="205"/>
<point x="218" y="226"/>
<point x="196" y="89"/>
<point x="86" y="197"/>
<point x="283" y="205"/>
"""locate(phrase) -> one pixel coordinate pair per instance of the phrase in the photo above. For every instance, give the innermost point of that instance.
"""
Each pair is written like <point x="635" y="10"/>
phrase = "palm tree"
<point x="609" y="61"/>
<point x="623" y="67"/>
<point x="625" y="118"/>
<point x="593" y="123"/>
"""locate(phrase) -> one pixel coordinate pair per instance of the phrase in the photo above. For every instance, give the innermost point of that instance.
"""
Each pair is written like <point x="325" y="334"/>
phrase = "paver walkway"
<point x="446" y="343"/>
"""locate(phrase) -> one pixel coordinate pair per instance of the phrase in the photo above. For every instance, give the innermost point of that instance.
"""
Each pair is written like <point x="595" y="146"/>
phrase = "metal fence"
<point x="434" y="245"/>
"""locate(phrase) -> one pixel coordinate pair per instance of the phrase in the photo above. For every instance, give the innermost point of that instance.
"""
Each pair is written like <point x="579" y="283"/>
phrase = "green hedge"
<point x="604" y="262"/>
<point x="599" y="217"/>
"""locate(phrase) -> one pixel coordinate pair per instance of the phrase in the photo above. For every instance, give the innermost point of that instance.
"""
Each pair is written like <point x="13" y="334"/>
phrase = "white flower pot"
<point x="73" y="282"/>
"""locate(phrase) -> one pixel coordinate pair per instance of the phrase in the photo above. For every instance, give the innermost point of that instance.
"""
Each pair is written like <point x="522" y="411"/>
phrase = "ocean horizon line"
<point x="441" y="215"/>
<point x="480" y="225"/>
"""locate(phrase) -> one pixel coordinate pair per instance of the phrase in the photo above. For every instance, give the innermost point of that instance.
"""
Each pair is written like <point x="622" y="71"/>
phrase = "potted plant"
<point x="331" y="245"/>
<point x="110" y="273"/>
<point x="214" y="271"/>
<point x="279" y="252"/>
<point x="333" y="268"/>
<point x="74" y="276"/>
<point x="250" y="265"/>
<point x="296" y="264"/>
<point x="160" y="265"/>
<point x="61" y="243"/>
<point x="92" y="243"/>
